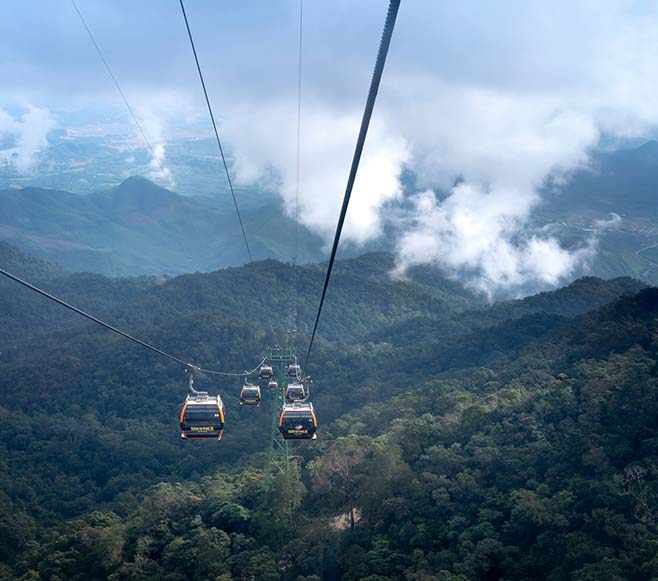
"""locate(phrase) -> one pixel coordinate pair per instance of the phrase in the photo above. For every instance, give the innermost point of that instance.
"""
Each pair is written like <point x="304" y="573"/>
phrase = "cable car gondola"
<point x="295" y="392"/>
<point x="250" y="395"/>
<point x="202" y="417"/>
<point x="265" y="373"/>
<point x="298" y="422"/>
<point x="272" y="386"/>
<point x="294" y="370"/>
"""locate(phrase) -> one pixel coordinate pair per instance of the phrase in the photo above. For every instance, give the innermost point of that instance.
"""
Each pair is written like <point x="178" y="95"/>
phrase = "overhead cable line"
<point x="96" y="320"/>
<point x="214" y="126"/>
<point x="391" y="15"/>
<point x="221" y="151"/>
<point x="243" y="374"/>
<point x="143" y="133"/>
<point x="123" y="96"/>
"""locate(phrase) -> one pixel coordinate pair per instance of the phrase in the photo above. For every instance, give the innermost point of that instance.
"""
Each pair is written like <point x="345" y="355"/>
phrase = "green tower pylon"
<point x="278" y="457"/>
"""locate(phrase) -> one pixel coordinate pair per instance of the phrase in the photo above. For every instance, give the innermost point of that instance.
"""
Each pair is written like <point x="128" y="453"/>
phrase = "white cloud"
<point x="478" y="236"/>
<point x="153" y="126"/>
<point x="612" y="223"/>
<point x="627" y="81"/>
<point x="265" y="144"/>
<point x="507" y="138"/>
<point x="498" y="147"/>
<point x="27" y="134"/>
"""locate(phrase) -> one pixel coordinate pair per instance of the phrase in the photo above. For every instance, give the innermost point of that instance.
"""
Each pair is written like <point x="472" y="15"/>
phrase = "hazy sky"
<point x="500" y="94"/>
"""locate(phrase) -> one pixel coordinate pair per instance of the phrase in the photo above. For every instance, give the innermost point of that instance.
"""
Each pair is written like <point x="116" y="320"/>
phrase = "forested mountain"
<point x="141" y="228"/>
<point x="25" y="314"/>
<point x="26" y="265"/>
<point x="514" y="440"/>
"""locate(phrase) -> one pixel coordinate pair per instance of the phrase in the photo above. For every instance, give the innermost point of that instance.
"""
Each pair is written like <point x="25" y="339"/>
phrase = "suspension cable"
<point x="393" y="7"/>
<point x="214" y="126"/>
<point x="243" y="374"/>
<point x="96" y="320"/>
<point x="123" y="96"/>
<point x="224" y="162"/>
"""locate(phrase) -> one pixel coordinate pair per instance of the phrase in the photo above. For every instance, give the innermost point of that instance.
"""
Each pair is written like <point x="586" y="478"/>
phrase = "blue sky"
<point x="502" y="94"/>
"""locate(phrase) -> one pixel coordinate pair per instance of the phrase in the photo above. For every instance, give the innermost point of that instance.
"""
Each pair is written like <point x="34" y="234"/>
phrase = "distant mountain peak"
<point x="138" y="193"/>
<point x="136" y="178"/>
<point x="650" y="146"/>
<point x="139" y="184"/>
<point x="644" y="154"/>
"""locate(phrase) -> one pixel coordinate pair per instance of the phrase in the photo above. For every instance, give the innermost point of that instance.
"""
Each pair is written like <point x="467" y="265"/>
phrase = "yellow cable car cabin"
<point x="266" y="372"/>
<point x="250" y="395"/>
<point x="295" y="392"/>
<point x="298" y="422"/>
<point x="202" y="418"/>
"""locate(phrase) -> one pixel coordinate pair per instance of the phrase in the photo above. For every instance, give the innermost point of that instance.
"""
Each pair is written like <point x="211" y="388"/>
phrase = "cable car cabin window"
<point x="201" y="414"/>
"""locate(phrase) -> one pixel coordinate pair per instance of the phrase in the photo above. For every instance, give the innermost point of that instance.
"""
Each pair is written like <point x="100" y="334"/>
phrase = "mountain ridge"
<point x="139" y="227"/>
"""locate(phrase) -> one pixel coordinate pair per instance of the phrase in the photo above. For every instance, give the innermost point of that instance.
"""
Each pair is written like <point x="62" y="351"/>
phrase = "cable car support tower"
<point x="278" y="455"/>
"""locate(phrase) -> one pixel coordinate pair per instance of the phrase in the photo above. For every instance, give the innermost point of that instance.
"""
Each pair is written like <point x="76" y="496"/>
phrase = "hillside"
<point x="496" y="430"/>
<point x="25" y="314"/>
<point x="141" y="228"/>
<point x="26" y="265"/>
<point x="624" y="183"/>
<point x="151" y="299"/>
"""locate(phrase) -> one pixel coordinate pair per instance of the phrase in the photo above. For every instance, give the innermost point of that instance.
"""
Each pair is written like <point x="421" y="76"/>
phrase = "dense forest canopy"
<point x="458" y="440"/>
<point x="199" y="179"/>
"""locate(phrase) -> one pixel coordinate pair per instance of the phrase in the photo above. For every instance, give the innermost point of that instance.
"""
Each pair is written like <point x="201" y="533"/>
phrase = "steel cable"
<point x="391" y="15"/>
<point x="123" y="96"/>
<point x="214" y="126"/>
<point x="118" y="331"/>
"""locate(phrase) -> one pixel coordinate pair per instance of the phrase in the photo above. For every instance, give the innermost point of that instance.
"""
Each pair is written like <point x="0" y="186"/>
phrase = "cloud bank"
<point x="482" y="238"/>
<point x="24" y="136"/>
<point x="265" y="150"/>
<point x="480" y="138"/>
<point x="486" y="152"/>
